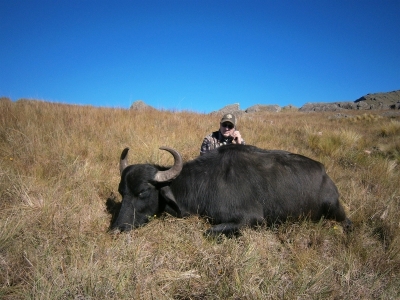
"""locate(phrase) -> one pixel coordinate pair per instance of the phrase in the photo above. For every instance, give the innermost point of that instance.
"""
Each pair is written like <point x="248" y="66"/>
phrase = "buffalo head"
<point x="140" y="188"/>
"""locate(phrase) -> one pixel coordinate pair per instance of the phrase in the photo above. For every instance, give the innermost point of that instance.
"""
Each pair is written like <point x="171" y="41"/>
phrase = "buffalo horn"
<point x="173" y="172"/>
<point x="124" y="160"/>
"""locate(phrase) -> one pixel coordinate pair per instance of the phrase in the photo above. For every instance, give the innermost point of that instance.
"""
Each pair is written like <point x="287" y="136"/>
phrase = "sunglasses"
<point x="227" y="125"/>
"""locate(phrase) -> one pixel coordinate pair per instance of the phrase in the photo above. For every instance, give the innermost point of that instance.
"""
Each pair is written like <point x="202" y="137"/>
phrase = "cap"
<point x="229" y="118"/>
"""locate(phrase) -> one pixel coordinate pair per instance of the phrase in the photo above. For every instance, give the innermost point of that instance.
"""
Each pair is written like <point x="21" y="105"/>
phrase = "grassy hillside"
<point x="59" y="164"/>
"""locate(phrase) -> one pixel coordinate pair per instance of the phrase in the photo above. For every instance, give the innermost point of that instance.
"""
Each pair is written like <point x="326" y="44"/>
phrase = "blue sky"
<point x="198" y="55"/>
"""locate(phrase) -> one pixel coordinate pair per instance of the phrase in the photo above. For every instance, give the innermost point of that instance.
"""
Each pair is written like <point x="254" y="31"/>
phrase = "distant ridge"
<point x="389" y="101"/>
<point x="376" y="101"/>
<point x="386" y="98"/>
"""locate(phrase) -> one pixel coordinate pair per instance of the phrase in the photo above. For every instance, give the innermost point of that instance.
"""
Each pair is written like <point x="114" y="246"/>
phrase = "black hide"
<point x="233" y="186"/>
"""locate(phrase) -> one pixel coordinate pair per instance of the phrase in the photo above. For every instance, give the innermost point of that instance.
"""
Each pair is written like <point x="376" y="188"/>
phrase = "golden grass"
<point x="59" y="165"/>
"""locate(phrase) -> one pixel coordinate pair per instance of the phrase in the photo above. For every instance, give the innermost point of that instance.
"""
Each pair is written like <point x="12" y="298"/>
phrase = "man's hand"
<point x="237" y="138"/>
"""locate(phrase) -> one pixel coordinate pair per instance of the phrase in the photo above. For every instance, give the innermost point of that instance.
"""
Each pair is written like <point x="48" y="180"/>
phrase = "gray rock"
<point x="259" y="107"/>
<point x="379" y="101"/>
<point x="347" y="105"/>
<point x="362" y="105"/>
<point x="140" y="105"/>
<point x="231" y="108"/>
<point x="308" y="107"/>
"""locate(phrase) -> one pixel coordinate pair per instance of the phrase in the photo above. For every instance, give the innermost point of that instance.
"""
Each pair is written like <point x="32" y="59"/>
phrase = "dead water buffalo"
<point x="233" y="186"/>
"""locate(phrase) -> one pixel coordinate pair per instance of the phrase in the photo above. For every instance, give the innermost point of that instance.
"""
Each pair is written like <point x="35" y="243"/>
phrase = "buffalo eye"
<point x="144" y="194"/>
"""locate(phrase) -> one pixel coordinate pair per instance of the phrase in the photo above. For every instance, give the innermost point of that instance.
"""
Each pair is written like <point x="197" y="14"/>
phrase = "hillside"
<point x="381" y="99"/>
<point x="377" y="101"/>
<point x="59" y="177"/>
<point x="388" y="102"/>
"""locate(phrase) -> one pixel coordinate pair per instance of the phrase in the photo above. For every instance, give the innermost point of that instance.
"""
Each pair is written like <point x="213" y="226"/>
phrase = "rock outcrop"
<point x="231" y="108"/>
<point x="140" y="105"/>
<point x="379" y="101"/>
<point x="259" y="107"/>
<point x="320" y="107"/>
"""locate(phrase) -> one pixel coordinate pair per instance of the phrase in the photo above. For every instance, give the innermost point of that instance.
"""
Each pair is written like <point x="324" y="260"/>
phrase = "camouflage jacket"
<point x="215" y="140"/>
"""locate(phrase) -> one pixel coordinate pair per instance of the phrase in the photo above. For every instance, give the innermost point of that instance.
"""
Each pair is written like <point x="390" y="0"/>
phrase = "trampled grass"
<point x="59" y="164"/>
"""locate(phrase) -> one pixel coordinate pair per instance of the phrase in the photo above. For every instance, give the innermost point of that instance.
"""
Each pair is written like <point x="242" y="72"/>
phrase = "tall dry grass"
<point x="59" y="165"/>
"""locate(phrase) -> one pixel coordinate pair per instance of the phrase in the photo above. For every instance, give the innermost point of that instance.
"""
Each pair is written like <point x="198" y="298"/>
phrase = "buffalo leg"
<point x="228" y="229"/>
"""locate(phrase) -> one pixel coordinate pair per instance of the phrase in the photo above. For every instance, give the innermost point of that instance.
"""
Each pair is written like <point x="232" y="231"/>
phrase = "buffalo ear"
<point x="170" y="199"/>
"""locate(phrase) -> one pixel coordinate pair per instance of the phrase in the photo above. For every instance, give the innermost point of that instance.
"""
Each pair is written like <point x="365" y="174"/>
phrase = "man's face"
<point x="226" y="129"/>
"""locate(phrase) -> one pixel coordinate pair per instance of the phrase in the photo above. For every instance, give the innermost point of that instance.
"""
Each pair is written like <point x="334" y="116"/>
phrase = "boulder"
<point x="259" y="107"/>
<point x="231" y="108"/>
<point x="140" y="105"/>
<point x="347" y="105"/>
<point x="362" y="105"/>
